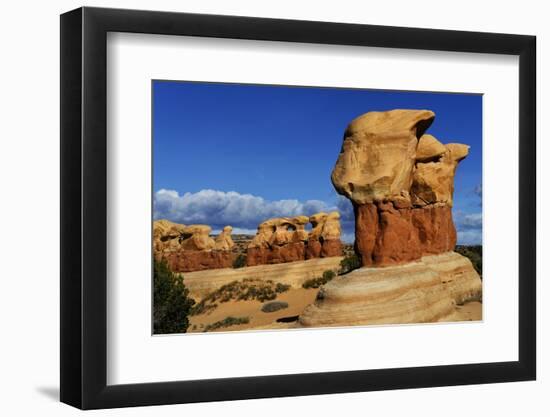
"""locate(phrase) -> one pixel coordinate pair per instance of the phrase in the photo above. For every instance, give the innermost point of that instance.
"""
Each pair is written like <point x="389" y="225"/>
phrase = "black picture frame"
<point x="84" y="207"/>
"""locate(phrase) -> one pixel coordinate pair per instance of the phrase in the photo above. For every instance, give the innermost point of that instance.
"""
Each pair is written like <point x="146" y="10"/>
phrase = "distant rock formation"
<point x="324" y="238"/>
<point x="223" y="240"/>
<point x="190" y="248"/>
<point x="401" y="184"/>
<point x="285" y="239"/>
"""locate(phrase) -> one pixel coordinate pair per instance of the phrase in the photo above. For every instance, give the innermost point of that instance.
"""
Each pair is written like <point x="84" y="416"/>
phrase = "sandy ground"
<point x="297" y="300"/>
<point x="201" y="283"/>
<point x="471" y="311"/>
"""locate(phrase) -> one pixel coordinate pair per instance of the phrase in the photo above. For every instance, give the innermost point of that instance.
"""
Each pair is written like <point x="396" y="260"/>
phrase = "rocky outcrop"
<point x="324" y="238"/>
<point x="378" y="155"/>
<point x="419" y="292"/>
<point x="401" y="184"/>
<point x="386" y="235"/>
<point x="433" y="179"/>
<point x="285" y="239"/>
<point x="190" y="248"/>
<point x="278" y="240"/>
<point x="223" y="241"/>
<point x="196" y="238"/>
<point x="190" y="260"/>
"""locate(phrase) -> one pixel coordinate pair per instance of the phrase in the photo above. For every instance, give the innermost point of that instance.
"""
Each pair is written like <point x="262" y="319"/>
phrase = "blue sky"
<point x="236" y="153"/>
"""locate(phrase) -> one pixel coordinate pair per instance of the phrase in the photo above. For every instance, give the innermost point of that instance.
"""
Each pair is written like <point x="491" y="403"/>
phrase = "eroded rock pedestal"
<point x="386" y="235"/>
<point x="400" y="182"/>
<point x="285" y="239"/>
<point x="190" y="248"/>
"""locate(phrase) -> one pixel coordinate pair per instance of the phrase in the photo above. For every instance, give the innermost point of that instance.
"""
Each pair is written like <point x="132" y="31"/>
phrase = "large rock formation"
<point x="401" y="184"/>
<point x="190" y="248"/>
<point x="285" y="239"/>
<point x="378" y="155"/>
<point x="386" y="235"/>
<point x="324" y="238"/>
<point x="417" y="292"/>
<point x="278" y="240"/>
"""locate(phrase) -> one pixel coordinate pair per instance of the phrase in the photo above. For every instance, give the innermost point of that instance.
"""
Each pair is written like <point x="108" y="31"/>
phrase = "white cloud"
<point x="469" y="237"/>
<point x="470" y="221"/>
<point x="348" y="237"/>
<point x="469" y="228"/>
<point x="219" y="208"/>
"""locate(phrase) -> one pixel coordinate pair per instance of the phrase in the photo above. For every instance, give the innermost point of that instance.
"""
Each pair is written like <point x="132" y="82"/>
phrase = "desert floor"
<point x="471" y="311"/>
<point x="297" y="300"/>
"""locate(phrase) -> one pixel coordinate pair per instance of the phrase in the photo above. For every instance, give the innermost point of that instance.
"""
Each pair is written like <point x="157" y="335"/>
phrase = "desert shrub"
<point x="240" y="261"/>
<point x="171" y="301"/>
<point x="279" y="288"/>
<point x="328" y="275"/>
<point x="226" y="322"/>
<point x="247" y="289"/>
<point x="349" y="263"/>
<point x="274" y="306"/>
<point x="202" y="308"/>
<point x="317" y="282"/>
<point x="474" y="253"/>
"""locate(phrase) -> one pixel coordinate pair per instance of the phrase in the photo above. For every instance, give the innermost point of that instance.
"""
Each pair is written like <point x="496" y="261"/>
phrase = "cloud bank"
<point x="242" y="211"/>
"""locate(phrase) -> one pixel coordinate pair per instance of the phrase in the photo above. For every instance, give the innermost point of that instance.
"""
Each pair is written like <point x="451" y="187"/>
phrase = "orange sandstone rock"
<point x="285" y="239"/>
<point x="190" y="248"/>
<point x="401" y="183"/>
<point x="385" y="235"/>
<point x="193" y="260"/>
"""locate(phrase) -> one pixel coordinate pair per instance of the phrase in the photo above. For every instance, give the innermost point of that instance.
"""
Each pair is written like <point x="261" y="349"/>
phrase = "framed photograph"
<point x="261" y="208"/>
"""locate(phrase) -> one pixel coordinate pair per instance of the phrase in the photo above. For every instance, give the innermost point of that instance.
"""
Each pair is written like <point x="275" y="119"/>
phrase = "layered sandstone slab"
<point x="419" y="292"/>
<point x="201" y="283"/>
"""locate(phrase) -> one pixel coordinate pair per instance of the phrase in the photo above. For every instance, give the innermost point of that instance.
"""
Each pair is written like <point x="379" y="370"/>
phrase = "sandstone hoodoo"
<point x="400" y="181"/>
<point x="285" y="239"/>
<point x="324" y="238"/>
<point x="190" y="248"/>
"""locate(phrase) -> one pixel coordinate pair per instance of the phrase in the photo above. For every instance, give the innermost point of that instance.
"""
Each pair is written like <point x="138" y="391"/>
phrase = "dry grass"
<point x="227" y="322"/>
<point x="247" y="289"/>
